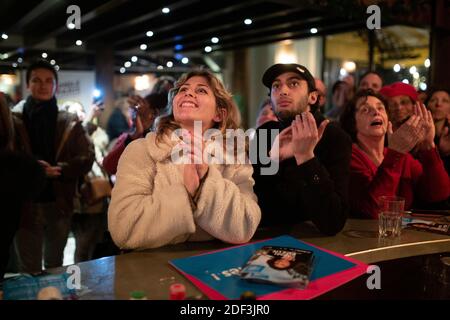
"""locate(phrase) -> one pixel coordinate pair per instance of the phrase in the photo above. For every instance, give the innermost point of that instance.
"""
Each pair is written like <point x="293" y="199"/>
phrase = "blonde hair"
<point x="166" y="123"/>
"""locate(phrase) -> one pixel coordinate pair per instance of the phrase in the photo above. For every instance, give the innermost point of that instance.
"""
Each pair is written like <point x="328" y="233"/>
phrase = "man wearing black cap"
<point x="313" y="155"/>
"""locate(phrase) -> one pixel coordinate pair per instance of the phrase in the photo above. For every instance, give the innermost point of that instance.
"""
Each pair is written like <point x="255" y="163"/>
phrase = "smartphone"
<point x="134" y="113"/>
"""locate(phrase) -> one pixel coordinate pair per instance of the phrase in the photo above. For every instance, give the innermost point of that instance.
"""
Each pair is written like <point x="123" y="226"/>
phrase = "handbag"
<point x="95" y="188"/>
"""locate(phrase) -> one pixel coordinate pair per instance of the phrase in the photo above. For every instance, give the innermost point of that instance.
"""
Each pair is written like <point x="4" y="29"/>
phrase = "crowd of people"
<point x="378" y="140"/>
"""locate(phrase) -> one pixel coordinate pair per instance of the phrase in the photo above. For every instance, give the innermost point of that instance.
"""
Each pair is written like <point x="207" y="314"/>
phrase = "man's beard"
<point x="287" y="116"/>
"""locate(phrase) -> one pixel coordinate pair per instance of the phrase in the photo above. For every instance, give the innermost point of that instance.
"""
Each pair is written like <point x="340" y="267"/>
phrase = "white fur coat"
<point x="150" y="206"/>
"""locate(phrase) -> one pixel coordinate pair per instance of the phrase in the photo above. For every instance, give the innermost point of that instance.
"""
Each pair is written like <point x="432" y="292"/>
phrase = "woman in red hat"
<point x="381" y="164"/>
<point x="401" y="98"/>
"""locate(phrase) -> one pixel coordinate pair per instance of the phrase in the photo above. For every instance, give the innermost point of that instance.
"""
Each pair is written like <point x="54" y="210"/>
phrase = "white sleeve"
<point x="141" y="217"/>
<point x="227" y="207"/>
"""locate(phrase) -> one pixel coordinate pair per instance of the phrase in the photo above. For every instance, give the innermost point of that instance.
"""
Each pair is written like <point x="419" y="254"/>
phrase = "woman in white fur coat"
<point x="158" y="201"/>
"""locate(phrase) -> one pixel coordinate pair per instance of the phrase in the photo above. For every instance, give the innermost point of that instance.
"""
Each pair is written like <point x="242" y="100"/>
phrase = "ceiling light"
<point x="413" y="70"/>
<point x="19" y="60"/>
<point x="313" y="30"/>
<point x="4" y="36"/>
<point x="160" y="67"/>
<point x="165" y="10"/>
<point x="397" y="67"/>
<point x="143" y="47"/>
<point x="78" y="42"/>
<point x="169" y="64"/>
<point x="149" y="34"/>
<point x="134" y="59"/>
<point x="14" y="65"/>
<point x="127" y="64"/>
<point x="427" y="63"/>
<point x="185" y="60"/>
<point x="44" y="55"/>
<point x="122" y="70"/>
<point x="57" y="68"/>
<point x="208" y="49"/>
<point x="71" y="26"/>
<point x="52" y="62"/>
<point x="214" y="40"/>
<point x="405" y="81"/>
<point x="248" y="21"/>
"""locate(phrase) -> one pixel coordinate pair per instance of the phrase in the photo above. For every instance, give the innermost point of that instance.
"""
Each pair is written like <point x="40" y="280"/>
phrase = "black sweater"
<point x="316" y="190"/>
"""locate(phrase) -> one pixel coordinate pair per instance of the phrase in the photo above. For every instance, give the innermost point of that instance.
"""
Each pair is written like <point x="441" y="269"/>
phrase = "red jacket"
<point x="111" y="160"/>
<point x="399" y="174"/>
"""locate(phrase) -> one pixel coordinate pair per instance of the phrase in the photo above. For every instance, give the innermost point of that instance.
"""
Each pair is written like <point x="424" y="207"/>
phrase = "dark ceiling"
<point x="34" y="27"/>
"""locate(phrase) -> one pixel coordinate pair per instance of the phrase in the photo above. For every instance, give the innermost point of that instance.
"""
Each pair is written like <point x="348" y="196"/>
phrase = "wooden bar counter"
<point x="149" y="271"/>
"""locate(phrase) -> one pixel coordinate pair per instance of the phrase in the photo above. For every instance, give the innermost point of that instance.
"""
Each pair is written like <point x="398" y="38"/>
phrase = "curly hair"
<point x="166" y="123"/>
<point x="347" y="119"/>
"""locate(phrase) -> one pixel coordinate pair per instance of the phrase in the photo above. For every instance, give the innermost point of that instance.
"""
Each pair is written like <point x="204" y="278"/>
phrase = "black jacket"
<point x="317" y="190"/>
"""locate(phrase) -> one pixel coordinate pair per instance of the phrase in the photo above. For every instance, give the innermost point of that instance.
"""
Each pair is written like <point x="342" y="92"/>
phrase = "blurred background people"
<point x="89" y="223"/>
<point x="265" y="113"/>
<point x="145" y="111"/>
<point x="422" y="96"/>
<point x="439" y="105"/>
<point x="371" y="80"/>
<point x="119" y="120"/>
<point x="341" y="95"/>
<point x="321" y="94"/>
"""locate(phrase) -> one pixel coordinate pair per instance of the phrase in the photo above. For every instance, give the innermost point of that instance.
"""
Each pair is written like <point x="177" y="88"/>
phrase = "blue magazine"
<point x="217" y="274"/>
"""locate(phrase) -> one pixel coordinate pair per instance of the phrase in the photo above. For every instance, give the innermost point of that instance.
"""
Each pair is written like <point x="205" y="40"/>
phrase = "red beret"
<point x="399" y="89"/>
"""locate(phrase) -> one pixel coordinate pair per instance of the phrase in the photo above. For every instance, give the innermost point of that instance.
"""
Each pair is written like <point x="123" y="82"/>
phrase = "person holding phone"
<point x="143" y="113"/>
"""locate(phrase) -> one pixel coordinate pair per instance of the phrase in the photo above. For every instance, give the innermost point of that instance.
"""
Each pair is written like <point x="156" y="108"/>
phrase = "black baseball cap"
<point x="280" y="68"/>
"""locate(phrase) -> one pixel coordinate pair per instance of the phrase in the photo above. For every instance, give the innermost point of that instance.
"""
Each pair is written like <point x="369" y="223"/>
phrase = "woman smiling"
<point x="157" y="202"/>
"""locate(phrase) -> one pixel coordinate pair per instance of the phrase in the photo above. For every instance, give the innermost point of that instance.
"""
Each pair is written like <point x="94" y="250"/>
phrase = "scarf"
<point x="40" y="121"/>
